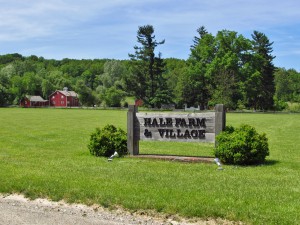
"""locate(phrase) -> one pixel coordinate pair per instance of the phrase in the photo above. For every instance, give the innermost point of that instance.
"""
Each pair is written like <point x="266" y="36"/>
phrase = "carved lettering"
<point x="147" y="122"/>
<point x="147" y="133"/>
<point x="187" y="134"/>
<point x="192" y="122"/>
<point x="154" y="123"/>
<point x="194" y="133"/>
<point x="177" y="122"/>
<point x="201" y="122"/>
<point x="201" y="133"/>
<point x="179" y="133"/>
<point x="162" y="123"/>
<point x="169" y="122"/>
<point x="161" y="132"/>
<point x="172" y="134"/>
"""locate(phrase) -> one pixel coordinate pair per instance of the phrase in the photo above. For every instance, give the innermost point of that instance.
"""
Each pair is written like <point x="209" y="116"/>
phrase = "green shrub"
<point x="240" y="105"/>
<point x="294" y="107"/>
<point x="241" y="146"/>
<point x="104" y="142"/>
<point x="280" y="105"/>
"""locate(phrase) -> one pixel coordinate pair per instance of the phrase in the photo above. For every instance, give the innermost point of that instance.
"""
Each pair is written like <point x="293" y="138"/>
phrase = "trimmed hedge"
<point x="105" y="141"/>
<point x="241" y="146"/>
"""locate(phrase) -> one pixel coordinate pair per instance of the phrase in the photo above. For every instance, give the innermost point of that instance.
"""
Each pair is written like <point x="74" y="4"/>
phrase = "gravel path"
<point x="17" y="210"/>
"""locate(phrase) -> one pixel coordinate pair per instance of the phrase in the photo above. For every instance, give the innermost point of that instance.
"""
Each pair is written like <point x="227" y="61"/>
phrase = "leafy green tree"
<point x="231" y="52"/>
<point x="287" y="85"/>
<point x="32" y="83"/>
<point x="283" y="85"/>
<point x="72" y="68"/>
<point x="295" y="77"/>
<point x="18" y="89"/>
<point x="59" y="79"/>
<point x="47" y="88"/>
<point x="192" y="86"/>
<point x="89" y="78"/>
<point x="86" y="95"/>
<point x="9" y="58"/>
<point x="111" y="91"/>
<point x="224" y="88"/>
<point x="173" y="72"/>
<point x="100" y="95"/>
<point x="4" y="95"/>
<point x="8" y="71"/>
<point x="214" y="69"/>
<point x="4" y="90"/>
<point x="229" y="69"/>
<point x="113" y="74"/>
<point x="113" y="97"/>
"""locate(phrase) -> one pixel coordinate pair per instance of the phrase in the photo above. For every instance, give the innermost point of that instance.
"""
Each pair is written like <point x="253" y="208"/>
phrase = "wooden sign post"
<point x="181" y="127"/>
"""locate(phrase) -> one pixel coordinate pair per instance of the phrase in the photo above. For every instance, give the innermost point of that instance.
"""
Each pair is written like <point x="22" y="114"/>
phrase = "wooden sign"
<point x="197" y="127"/>
<point x="182" y="127"/>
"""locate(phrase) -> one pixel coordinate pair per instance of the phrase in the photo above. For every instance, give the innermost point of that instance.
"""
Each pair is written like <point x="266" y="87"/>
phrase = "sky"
<point x="97" y="29"/>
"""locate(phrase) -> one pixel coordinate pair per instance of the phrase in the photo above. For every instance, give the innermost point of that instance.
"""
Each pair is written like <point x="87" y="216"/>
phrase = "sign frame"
<point x="180" y="127"/>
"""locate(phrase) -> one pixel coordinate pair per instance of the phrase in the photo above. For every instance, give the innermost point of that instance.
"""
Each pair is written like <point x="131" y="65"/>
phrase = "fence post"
<point x="220" y="119"/>
<point x="132" y="131"/>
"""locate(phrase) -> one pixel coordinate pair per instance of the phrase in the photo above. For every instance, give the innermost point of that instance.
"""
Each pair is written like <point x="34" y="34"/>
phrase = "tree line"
<point x="223" y="68"/>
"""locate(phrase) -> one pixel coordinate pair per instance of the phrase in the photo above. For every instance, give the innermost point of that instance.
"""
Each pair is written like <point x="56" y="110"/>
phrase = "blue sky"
<point x="89" y="29"/>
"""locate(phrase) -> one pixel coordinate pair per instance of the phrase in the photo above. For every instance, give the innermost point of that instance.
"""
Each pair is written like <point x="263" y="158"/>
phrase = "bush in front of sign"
<point x="241" y="146"/>
<point x="106" y="141"/>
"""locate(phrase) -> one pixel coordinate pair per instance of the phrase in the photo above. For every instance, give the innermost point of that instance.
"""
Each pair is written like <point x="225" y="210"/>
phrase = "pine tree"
<point x="147" y="69"/>
<point x="262" y="49"/>
<point x="194" y="82"/>
<point x="201" y="32"/>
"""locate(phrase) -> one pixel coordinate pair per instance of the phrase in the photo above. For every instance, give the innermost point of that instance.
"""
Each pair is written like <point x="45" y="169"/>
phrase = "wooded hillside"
<point x="223" y="68"/>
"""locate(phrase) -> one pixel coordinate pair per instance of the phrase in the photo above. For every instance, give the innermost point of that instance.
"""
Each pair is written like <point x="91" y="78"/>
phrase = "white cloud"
<point x="111" y="25"/>
<point x="39" y="18"/>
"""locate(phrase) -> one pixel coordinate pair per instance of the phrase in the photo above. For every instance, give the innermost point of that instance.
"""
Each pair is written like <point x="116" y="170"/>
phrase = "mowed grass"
<point x="43" y="153"/>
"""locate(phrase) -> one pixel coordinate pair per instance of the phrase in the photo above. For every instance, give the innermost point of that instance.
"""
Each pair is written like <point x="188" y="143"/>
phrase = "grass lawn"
<point x="43" y="153"/>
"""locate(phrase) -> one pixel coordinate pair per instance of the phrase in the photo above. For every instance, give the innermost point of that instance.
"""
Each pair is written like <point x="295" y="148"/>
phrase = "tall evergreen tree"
<point x="262" y="49"/>
<point x="195" y="81"/>
<point x="163" y="95"/>
<point x="201" y="32"/>
<point x="146" y="68"/>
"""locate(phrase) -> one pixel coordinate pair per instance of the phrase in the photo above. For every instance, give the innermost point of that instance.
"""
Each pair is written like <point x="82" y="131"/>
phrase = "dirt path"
<point x="17" y="210"/>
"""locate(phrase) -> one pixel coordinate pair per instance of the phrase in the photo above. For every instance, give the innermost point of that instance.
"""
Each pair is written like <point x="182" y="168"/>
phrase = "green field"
<point x="43" y="153"/>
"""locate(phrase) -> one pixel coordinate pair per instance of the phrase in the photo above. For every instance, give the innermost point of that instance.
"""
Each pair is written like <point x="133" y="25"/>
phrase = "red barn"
<point x="139" y="102"/>
<point x="64" y="98"/>
<point x="33" y="101"/>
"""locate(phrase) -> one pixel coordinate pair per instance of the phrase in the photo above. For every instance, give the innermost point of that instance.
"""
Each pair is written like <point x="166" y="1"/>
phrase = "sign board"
<point x="197" y="127"/>
<point x="180" y="127"/>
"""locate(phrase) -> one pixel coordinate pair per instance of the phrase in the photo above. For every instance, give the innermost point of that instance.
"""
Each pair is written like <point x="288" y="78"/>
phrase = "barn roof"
<point x="36" y="98"/>
<point x="69" y="93"/>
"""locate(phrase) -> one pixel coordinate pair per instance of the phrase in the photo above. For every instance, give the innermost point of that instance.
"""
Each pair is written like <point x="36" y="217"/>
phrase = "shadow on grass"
<point x="267" y="163"/>
<point x="177" y="155"/>
<point x="271" y="162"/>
<point x="179" y="158"/>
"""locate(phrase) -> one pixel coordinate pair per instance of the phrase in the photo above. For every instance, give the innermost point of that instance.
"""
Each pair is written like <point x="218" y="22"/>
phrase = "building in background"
<point x="64" y="98"/>
<point x="33" y="101"/>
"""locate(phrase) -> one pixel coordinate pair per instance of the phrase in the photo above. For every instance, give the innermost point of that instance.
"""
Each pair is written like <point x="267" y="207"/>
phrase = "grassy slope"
<point x="43" y="153"/>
